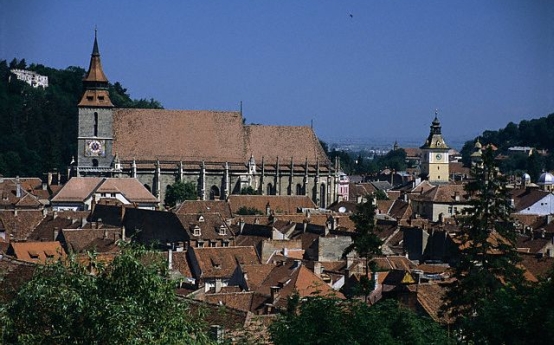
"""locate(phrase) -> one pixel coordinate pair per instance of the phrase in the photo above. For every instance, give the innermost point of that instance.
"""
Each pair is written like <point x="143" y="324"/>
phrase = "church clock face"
<point x="95" y="148"/>
<point x="438" y="156"/>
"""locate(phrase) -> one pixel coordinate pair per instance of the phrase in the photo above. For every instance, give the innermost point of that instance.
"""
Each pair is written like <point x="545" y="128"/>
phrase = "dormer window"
<point x="201" y="219"/>
<point x="33" y="254"/>
<point x="216" y="263"/>
<point x="222" y="230"/>
<point x="196" y="231"/>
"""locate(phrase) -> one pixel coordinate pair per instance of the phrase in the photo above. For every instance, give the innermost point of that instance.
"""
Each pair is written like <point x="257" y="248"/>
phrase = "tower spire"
<point x="95" y="82"/>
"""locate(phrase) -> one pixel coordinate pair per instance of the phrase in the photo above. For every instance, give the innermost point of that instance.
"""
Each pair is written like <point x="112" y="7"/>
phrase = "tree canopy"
<point x="329" y="321"/>
<point x="536" y="133"/>
<point x="365" y="241"/>
<point x="488" y="260"/>
<point x="179" y="192"/>
<point x="129" y="301"/>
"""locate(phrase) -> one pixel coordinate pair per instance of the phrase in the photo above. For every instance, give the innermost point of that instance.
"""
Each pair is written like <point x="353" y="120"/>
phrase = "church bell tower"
<point x="95" y="136"/>
<point x="434" y="160"/>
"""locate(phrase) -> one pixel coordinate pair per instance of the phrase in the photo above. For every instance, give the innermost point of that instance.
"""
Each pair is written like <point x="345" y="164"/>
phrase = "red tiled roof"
<point x="205" y="206"/>
<point x="221" y="262"/>
<point x="78" y="189"/>
<point x="289" y="204"/>
<point x="37" y="252"/>
<point x="210" y="136"/>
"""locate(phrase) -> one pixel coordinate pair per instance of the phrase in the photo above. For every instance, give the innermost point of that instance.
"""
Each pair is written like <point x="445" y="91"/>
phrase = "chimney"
<point x="49" y="181"/>
<point x="83" y="220"/>
<point x="123" y="232"/>
<point x="376" y="279"/>
<point x="548" y="219"/>
<point x="218" y="285"/>
<point x="123" y="209"/>
<point x="44" y="186"/>
<point x="304" y="225"/>
<point x="17" y="187"/>
<point x="56" y="232"/>
<point x="456" y="196"/>
<point x="274" y="293"/>
<point x="241" y="225"/>
<point x="98" y="223"/>
<point x="317" y="268"/>
<point x="267" y="209"/>
<point x="170" y="259"/>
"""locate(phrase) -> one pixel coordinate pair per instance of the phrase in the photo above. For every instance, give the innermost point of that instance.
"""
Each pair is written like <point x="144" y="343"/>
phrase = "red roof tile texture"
<point x="210" y="136"/>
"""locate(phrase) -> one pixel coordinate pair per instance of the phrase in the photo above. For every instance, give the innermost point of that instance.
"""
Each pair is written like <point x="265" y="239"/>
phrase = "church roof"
<point x="210" y="136"/>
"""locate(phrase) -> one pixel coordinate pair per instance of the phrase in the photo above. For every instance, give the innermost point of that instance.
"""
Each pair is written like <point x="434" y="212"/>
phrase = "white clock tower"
<point x="434" y="160"/>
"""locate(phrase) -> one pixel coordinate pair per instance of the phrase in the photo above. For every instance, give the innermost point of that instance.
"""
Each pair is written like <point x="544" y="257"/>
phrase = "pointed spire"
<point x="95" y="82"/>
<point x="95" y="50"/>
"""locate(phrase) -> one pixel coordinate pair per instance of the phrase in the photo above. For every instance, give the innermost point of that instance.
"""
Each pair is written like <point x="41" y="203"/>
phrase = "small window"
<point x="33" y="254"/>
<point x="196" y="231"/>
<point x="90" y="98"/>
<point x="101" y="98"/>
<point x="222" y="230"/>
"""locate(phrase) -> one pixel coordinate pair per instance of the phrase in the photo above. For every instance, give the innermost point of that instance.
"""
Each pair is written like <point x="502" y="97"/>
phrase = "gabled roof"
<point x="56" y="222"/>
<point x="98" y="240"/>
<point x="360" y="189"/>
<point x="19" y="226"/>
<point x="150" y="227"/>
<point x="293" y="277"/>
<point x="205" y="206"/>
<point x="221" y="262"/>
<point x="78" y="189"/>
<point x="287" y="204"/>
<point x="256" y="274"/>
<point x="11" y="187"/>
<point x="524" y="198"/>
<point x="400" y="210"/>
<point x="37" y="252"/>
<point x="209" y="225"/>
<point x="209" y="136"/>
<point x="448" y="193"/>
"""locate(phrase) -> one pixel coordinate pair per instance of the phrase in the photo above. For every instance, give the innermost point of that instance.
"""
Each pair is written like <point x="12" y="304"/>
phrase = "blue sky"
<point x="357" y="69"/>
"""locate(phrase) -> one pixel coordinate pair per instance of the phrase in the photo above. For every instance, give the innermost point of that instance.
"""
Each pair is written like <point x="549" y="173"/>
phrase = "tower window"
<point x="95" y="162"/>
<point x="95" y="124"/>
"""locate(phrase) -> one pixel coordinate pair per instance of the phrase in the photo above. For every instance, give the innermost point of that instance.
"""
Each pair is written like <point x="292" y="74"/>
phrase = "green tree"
<point x="179" y="192"/>
<point x="130" y="301"/>
<point x="245" y="211"/>
<point x="488" y="258"/>
<point x="365" y="241"/>
<point x="329" y="321"/>
<point x="248" y="191"/>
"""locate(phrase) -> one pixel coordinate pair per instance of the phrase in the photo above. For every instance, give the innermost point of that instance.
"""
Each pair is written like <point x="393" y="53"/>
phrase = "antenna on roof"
<point x="312" y="124"/>
<point x="240" y="108"/>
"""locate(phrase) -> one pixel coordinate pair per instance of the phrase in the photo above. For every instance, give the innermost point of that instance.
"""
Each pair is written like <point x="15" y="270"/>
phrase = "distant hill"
<point x="38" y="126"/>
<point x="536" y="133"/>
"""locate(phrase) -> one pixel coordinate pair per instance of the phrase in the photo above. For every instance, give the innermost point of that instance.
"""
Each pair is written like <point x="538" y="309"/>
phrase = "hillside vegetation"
<point x="536" y="133"/>
<point x="39" y="126"/>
